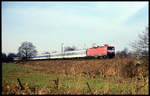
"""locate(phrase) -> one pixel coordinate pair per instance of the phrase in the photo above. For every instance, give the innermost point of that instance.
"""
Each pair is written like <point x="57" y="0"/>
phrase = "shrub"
<point x="129" y="69"/>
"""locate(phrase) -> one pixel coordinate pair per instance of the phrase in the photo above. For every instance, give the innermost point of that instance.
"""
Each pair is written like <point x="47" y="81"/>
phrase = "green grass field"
<point x="36" y="80"/>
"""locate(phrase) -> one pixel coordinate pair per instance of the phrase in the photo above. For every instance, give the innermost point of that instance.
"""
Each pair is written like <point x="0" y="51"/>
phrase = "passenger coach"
<point x="105" y="51"/>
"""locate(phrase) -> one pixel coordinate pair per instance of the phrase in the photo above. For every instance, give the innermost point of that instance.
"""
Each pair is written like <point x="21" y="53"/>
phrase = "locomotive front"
<point x="111" y="51"/>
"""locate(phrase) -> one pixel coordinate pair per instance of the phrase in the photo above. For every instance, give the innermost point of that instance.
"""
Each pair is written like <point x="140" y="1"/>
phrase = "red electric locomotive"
<point x="101" y="51"/>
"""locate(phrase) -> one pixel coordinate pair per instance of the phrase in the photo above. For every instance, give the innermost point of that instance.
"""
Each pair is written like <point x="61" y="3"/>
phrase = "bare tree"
<point x="11" y="56"/>
<point x="4" y="57"/>
<point x="68" y="48"/>
<point x="141" y="46"/>
<point x="26" y="51"/>
<point x="123" y="53"/>
<point x="48" y="54"/>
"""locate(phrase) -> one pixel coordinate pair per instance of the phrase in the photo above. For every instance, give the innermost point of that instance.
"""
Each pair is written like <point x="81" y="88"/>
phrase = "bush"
<point x="129" y="70"/>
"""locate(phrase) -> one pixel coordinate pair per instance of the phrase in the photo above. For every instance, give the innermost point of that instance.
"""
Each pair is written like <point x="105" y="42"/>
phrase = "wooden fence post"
<point x="22" y="88"/>
<point x="56" y="83"/>
<point x="89" y="88"/>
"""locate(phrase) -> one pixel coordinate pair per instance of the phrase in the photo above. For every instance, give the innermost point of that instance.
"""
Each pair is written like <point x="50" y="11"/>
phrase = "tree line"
<point x="140" y="46"/>
<point x="25" y="52"/>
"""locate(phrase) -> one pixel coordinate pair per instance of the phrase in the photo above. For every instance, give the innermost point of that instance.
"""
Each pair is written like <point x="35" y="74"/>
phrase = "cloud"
<point x="49" y="26"/>
<point x="122" y="10"/>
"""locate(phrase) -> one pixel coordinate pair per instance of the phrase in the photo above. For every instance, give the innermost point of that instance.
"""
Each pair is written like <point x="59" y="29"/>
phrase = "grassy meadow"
<point x="107" y="76"/>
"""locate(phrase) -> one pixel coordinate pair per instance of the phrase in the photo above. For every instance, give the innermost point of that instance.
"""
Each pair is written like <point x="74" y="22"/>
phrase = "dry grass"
<point x="118" y="70"/>
<point x="124" y="67"/>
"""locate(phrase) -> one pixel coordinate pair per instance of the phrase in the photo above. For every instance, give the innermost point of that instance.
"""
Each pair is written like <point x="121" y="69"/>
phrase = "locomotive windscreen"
<point x="111" y="49"/>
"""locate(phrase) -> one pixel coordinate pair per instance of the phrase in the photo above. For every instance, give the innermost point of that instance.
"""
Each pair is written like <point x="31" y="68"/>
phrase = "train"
<point x="105" y="51"/>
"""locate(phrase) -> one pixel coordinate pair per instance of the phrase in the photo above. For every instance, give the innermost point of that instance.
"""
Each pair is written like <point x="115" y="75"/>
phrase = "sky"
<point x="81" y="24"/>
